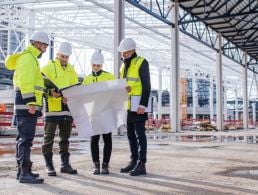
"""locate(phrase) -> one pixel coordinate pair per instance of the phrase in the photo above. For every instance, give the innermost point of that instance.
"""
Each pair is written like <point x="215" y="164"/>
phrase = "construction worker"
<point x="99" y="75"/>
<point x="136" y="71"/>
<point x="29" y="86"/>
<point x="57" y="113"/>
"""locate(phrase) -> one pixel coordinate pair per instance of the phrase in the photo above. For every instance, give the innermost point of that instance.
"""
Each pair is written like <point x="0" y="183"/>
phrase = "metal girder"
<point x="219" y="17"/>
<point x="200" y="32"/>
<point x="161" y="14"/>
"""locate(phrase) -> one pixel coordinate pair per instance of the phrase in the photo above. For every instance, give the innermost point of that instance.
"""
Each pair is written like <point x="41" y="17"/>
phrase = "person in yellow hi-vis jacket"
<point x="57" y="113"/>
<point x="135" y="69"/>
<point x="99" y="75"/>
<point x="29" y="86"/>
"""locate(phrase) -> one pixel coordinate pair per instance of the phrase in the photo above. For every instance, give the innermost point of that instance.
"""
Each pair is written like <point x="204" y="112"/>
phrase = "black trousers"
<point x="107" y="138"/>
<point x="137" y="140"/>
<point x="26" y="125"/>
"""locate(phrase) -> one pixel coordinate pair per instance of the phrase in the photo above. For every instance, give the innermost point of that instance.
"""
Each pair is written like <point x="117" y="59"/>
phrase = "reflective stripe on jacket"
<point x="61" y="77"/>
<point x="28" y="81"/>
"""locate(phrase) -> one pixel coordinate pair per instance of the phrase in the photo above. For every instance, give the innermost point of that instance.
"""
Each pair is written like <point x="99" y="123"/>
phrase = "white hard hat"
<point x="97" y="58"/>
<point x="40" y="37"/>
<point x="127" y="44"/>
<point x="65" y="48"/>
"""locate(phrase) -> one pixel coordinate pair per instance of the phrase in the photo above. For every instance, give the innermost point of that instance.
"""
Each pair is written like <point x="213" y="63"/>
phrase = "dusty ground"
<point x="173" y="168"/>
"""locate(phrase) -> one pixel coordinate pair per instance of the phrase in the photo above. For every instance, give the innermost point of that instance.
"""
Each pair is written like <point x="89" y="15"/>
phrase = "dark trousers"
<point x="107" y="138"/>
<point x="65" y="128"/>
<point x="26" y="126"/>
<point x="137" y="140"/>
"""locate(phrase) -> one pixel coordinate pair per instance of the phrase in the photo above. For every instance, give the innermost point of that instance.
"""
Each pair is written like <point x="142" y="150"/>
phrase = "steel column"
<point x="174" y="71"/>
<point x="160" y="95"/>
<point x="118" y="33"/>
<point x="245" y="94"/>
<point x="219" y="94"/>
<point x="211" y="99"/>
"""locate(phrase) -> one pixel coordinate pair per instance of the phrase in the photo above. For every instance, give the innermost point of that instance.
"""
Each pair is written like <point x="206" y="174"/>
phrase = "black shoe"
<point x="26" y="177"/>
<point x="129" y="167"/>
<point x="49" y="165"/>
<point x="96" y="170"/>
<point x="65" y="166"/>
<point x="139" y="169"/>
<point x="68" y="169"/>
<point x="36" y="175"/>
<point x="105" y="168"/>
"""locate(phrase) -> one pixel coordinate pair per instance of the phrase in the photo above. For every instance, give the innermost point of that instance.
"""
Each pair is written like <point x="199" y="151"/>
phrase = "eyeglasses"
<point x="96" y="65"/>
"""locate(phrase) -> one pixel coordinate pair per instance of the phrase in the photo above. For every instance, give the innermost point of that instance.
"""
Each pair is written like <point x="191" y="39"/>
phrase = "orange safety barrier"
<point x="2" y="108"/>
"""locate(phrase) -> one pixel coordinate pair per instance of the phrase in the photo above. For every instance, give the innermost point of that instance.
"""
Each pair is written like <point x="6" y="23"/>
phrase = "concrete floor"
<point x="184" y="167"/>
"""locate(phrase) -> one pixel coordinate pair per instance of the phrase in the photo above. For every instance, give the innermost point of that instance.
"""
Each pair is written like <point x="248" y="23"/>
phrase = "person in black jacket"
<point x="136" y="71"/>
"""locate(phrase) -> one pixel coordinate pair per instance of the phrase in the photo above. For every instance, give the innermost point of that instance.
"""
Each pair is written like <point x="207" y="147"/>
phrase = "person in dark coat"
<point x="135" y="69"/>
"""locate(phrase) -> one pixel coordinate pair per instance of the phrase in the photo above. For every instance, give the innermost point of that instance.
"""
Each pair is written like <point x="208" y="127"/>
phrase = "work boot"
<point x="26" y="177"/>
<point x="129" y="167"/>
<point x="96" y="170"/>
<point x="49" y="165"/>
<point x="139" y="169"/>
<point x="105" y="168"/>
<point x="65" y="166"/>
<point x="36" y="175"/>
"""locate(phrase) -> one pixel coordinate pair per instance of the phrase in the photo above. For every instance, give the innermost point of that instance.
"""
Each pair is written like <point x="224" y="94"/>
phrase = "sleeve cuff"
<point x="31" y="103"/>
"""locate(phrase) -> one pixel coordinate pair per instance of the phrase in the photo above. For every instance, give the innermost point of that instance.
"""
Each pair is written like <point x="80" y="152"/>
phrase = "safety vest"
<point x="132" y="77"/>
<point x="103" y="76"/>
<point x="27" y="80"/>
<point x="61" y="77"/>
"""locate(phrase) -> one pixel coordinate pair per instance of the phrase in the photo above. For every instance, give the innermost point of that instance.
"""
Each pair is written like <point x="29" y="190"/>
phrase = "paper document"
<point x="98" y="108"/>
<point x="135" y="101"/>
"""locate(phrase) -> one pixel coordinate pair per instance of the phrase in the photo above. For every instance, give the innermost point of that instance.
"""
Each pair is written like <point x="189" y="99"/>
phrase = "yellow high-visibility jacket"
<point x="61" y="77"/>
<point x="28" y="81"/>
<point x="98" y="77"/>
<point x="132" y="77"/>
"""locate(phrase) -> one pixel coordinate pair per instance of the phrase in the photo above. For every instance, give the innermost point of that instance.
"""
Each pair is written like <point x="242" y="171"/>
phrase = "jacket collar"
<point x="128" y="60"/>
<point x="58" y="63"/>
<point x="34" y="51"/>
<point x="95" y="74"/>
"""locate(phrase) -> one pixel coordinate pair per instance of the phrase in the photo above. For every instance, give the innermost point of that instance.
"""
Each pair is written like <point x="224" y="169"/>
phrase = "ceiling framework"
<point x="236" y="20"/>
<point x="89" y="24"/>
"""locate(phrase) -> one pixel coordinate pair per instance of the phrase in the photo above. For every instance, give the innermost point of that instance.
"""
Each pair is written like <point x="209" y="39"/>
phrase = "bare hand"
<point x="128" y="88"/>
<point x="140" y="110"/>
<point x="64" y="99"/>
<point x="54" y="94"/>
<point x="32" y="109"/>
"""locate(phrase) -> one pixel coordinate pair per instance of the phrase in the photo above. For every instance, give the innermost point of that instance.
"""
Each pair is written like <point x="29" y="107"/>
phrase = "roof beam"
<point x="220" y="17"/>
<point x="239" y="30"/>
